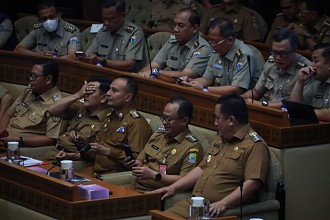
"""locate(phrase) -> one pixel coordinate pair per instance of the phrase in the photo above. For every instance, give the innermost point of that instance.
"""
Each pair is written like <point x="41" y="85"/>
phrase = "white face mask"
<point x="50" y="25"/>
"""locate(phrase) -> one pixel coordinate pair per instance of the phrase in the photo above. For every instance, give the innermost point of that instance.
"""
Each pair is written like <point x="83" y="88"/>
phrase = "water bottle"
<point x="66" y="171"/>
<point x="196" y="210"/>
<point x="13" y="152"/>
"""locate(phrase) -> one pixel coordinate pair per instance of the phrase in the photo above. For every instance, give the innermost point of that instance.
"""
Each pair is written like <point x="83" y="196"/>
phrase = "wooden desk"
<point x="159" y="215"/>
<point x="61" y="200"/>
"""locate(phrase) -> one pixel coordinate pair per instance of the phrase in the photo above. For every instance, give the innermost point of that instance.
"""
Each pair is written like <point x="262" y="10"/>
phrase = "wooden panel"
<point x="160" y="215"/>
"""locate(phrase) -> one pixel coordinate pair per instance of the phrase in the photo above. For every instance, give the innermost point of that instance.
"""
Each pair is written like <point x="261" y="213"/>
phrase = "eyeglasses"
<point x="34" y="77"/>
<point x="213" y="42"/>
<point x="168" y="119"/>
<point x="282" y="54"/>
<point x="303" y="12"/>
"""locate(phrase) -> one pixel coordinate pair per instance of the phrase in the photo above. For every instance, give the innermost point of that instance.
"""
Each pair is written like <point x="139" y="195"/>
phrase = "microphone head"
<point x="56" y="163"/>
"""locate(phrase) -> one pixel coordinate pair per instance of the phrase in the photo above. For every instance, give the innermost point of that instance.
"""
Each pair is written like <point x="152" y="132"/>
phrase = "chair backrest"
<point x="274" y="176"/>
<point x="156" y="41"/>
<point x="138" y="12"/>
<point x="87" y="38"/>
<point x="24" y="25"/>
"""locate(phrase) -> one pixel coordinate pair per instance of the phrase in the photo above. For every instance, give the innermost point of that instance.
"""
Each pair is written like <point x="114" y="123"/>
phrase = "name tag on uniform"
<point x="173" y="58"/>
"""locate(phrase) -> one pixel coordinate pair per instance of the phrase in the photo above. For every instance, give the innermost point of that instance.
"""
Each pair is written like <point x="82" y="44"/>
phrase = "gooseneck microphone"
<point x="251" y="86"/>
<point x="56" y="163"/>
<point x="148" y="52"/>
<point x="241" y="183"/>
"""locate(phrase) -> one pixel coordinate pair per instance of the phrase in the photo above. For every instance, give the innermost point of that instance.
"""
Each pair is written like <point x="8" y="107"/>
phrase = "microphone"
<point x="86" y="147"/>
<point x="148" y="52"/>
<point x="241" y="183"/>
<point x="248" y="61"/>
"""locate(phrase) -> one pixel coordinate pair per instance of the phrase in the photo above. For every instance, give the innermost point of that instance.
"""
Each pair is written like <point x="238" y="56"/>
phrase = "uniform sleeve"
<point x="6" y="29"/>
<point x="3" y="91"/>
<point x="75" y="41"/>
<point x="54" y="126"/>
<point x="136" y="46"/>
<point x="241" y="72"/>
<point x="190" y="157"/>
<point x="30" y="41"/>
<point x="260" y="86"/>
<point x="162" y="55"/>
<point x="257" y="162"/>
<point x="198" y="61"/>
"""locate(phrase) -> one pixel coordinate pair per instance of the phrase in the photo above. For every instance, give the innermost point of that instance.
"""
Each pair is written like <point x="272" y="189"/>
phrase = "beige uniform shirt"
<point x="163" y="12"/>
<point x="317" y="94"/>
<point x="3" y="91"/>
<point x="175" y="156"/>
<point x="128" y="43"/>
<point x="85" y="125"/>
<point x="233" y="68"/>
<point x="125" y="126"/>
<point x="245" y="157"/>
<point x="66" y="37"/>
<point x="248" y="24"/>
<point x="277" y="84"/>
<point x="320" y="32"/>
<point x="193" y="55"/>
<point x="31" y="116"/>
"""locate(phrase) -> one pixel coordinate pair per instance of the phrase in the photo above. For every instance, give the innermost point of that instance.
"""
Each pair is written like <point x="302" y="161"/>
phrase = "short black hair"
<point x="131" y="85"/>
<point x="315" y="5"/>
<point x="326" y="50"/>
<point x="225" y="25"/>
<point x="284" y="34"/>
<point x="45" y="4"/>
<point x="193" y="18"/>
<point x="49" y="67"/>
<point x="186" y="108"/>
<point x="104" y="83"/>
<point x="120" y="5"/>
<point x="234" y="105"/>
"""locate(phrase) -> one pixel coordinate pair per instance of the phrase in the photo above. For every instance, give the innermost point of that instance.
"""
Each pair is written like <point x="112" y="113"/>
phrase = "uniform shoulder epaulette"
<point x="103" y="29"/>
<point x="129" y="29"/>
<point x="70" y="28"/>
<point x="279" y="14"/>
<point x="82" y="100"/>
<point x="191" y="138"/>
<point x="172" y="38"/>
<point x="271" y="59"/>
<point x="196" y="43"/>
<point x="300" y="64"/>
<point x="135" y="114"/>
<point x="39" y="25"/>
<point x="160" y="129"/>
<point x="56" y="98"/>
<point x="238" y="53"/>
<point x="186" y="2"/>
<point x="255" y="137"/>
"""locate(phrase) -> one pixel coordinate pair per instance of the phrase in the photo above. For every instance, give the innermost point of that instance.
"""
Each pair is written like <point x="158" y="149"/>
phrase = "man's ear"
<point x="49" y="79"/>
<point x="232" y="120"/>
<point x="105" y="98"/>
<point x="185" y="120"/>
<point x="128" y="97"/>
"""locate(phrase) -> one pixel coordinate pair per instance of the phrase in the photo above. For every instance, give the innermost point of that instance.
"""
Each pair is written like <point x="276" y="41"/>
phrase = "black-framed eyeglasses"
<point x="168" y="119"/>
<point x="213" y="42"/>
<point x="282" y="54"/>
<point x="34" y="77"/>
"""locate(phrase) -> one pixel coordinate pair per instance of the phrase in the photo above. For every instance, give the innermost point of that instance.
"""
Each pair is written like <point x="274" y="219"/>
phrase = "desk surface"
<point x="160" y="215"/>
<point x="61" y="200"/>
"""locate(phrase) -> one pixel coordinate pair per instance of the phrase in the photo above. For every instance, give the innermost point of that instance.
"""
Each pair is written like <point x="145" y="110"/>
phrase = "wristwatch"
<point x="264" y="103"/>
<point x="158" y="176"/>
<point x="308" y="35"/>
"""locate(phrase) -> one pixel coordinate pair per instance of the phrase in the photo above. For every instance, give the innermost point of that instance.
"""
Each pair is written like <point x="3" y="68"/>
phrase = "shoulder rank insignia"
<point x="129" y="29"/>
<point x="193" y="150"/>
<point x="172" y="39"/>
<point x="135" y="114"/>
<point x="39" y="25"/>
<point x="191" y="138"/>
<point x="255" y="137"/>
<point x="271" y="59"/>
<point x="56" y="98"/>
<point x="238" y="53"/>
<point x="70" y="28"/>
<point x="196" y="44"/>
<point x="279" y="14"/>
<point x="160" y="129"/>
<point x="186" y="2"/>
<point x="300" y="65"/>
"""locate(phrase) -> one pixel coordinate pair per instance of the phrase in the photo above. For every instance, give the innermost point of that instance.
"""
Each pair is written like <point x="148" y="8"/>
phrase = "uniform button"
<point x="214" y="166"/>
<point x="221" y="155"/>
<point x="33" y="113"/>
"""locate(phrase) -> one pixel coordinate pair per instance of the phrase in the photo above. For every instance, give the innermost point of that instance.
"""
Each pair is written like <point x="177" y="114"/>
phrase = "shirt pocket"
<point x="103" y="50"/>
<point x="21" y="110"/>
<point x="173" y="64"/>
<point x="233" y="164"/>
<point x="35" y="117"/>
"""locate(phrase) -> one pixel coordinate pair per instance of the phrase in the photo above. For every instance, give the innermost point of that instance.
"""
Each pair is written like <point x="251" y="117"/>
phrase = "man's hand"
<point x="167" y="192"/>
<point x="306" y="73"/>
<point x="195" y="84"/>
<point x="217" y="208"/>
<point x="100" y="149"/>
<point x="62" y="155"/>
<point x="299" y="30"/>
<point x="143" y="172"/>
<point x="90" y="58"/>
<point x="129" y="163"/>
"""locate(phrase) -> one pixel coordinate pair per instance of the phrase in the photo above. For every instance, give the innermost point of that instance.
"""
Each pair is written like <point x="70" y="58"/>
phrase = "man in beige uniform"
<point x="27" y="120"/>
<point x="171" y="152"/>
<point x="52" y="36"/>
<point x="125" y="125"/>
<point x="280" y="71"/>
<point x="164" y="11"/>
<point x="86" y="110"/>
<point x="237" y="154"/>
<point x="5" y="99"/>
<point x="186" y="53"/>
<point x="289" y="15"/>
<point x="248" y="24"/>
<point x="120" y="44"/>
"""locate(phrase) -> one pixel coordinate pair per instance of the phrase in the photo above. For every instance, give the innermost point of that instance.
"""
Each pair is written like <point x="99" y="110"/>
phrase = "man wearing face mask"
<point x="52" y="36"/>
